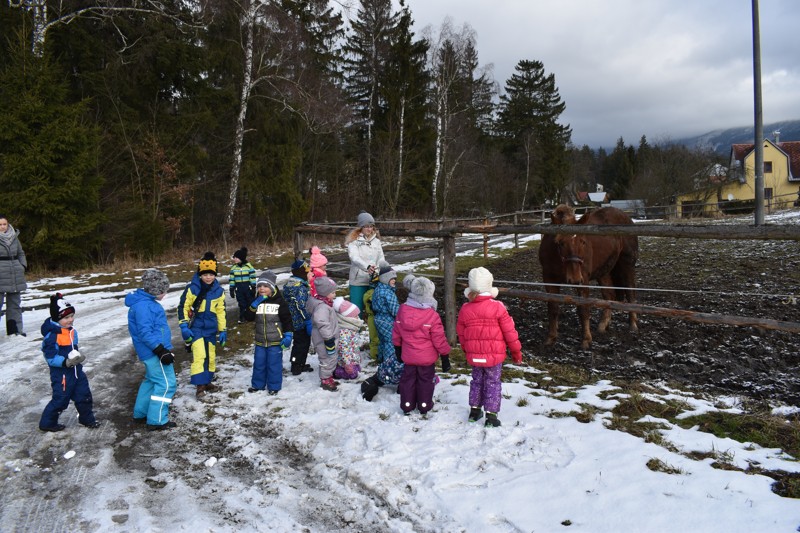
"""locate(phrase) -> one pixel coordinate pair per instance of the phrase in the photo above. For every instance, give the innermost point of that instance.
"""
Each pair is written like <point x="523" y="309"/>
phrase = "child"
<point x="296" y="292"/>
<point x="326" y="329"/>
<point x="319" y="266"/>
<point x="242" y="283"/>
<point x="60" y="349"/>
<point x="420" y="338"/>
<point x="201" y="315"/>
<point x="484" y="330"/>
<point x="385" y="306"/>
<point x="370" y="314"/>
<point x="152" y="340"/>
<point x="348" y="363"/>
<point x="273" y="334"/>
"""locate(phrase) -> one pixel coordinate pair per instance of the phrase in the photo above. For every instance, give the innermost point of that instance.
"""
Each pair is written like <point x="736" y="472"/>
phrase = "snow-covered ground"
<point x="311" y="460"/>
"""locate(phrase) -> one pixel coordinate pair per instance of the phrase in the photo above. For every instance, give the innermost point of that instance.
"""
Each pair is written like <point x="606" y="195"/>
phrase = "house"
<point x="735" y="192"/>
<point x="598" y="198"/>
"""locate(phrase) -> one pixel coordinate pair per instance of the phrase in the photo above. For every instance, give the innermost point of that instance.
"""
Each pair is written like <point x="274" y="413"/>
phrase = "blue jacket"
<point x="147" y="323"/>
<point x="295" y="292"/>
<point x="57" y="342"/>
<point x="209" y="317"/>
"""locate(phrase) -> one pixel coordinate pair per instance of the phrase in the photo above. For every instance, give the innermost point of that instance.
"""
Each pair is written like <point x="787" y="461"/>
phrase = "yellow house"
<point x="735" y="192"/>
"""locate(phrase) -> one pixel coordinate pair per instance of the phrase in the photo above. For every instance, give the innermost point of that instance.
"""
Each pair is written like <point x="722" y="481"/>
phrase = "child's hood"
<point x="416" y="317"/>
<point x="48" y="326"/>
<point x="139" y="295"/>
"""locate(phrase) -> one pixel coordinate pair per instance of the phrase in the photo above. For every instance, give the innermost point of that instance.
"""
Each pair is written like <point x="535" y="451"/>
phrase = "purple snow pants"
<point x="485" y="388"/>
<point x="416" y="388"/>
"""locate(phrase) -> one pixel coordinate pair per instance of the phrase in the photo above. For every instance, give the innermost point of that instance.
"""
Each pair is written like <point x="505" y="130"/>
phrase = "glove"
<point x="257" y="301"/>
<point x="445" y="363"/>
<point x="330" y="347"/>
<point x="164" y="355"/>
<point x="307" y="323"/>
<point x="74" y="358"/>
<point x="186" y="333"/>
<point x="223" y="338"/>
<point x="398" y="353"/>
<point x="286" y="341"/>
<point x="233" y="292"/>
<point x="517" y="357"/>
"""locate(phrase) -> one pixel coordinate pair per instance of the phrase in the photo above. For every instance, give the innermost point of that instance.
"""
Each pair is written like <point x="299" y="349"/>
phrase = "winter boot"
<point x="370" y="387"/>
<point x="328" y="384"/>
<point x="491" y="420"/>
<point x="201" y="392"/>
<point x="475" y="414"/>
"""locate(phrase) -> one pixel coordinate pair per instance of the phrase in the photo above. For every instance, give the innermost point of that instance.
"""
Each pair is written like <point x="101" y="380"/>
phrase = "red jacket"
<point x="484" y="330"/>
<point x="420" y="333"/>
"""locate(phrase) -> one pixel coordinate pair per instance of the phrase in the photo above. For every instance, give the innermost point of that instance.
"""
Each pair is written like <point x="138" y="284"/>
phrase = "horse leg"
<point x="552" y="317"/>
<point x="625" y="279"/>
<point x="608" y="294"/>
<point x="584" y="312"/>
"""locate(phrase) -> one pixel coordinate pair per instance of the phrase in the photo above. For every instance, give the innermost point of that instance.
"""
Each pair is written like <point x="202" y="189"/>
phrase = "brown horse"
<point x="579" y="259"/>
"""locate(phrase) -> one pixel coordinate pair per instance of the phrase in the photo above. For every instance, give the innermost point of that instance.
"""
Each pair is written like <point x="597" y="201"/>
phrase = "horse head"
<point x="573" y="250"/>
<point x="562" y="214"/>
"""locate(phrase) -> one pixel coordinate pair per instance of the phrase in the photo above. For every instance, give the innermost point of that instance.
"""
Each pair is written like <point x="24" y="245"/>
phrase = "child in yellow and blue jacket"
<point x="242" y="283"/>
<point x="67" y="379"/>
<point x="201" y="316"/>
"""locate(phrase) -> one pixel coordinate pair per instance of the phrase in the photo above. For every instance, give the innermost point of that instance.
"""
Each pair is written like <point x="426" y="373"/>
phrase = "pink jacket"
<point x="484" y="330"/>
<point x="420" y="333"/>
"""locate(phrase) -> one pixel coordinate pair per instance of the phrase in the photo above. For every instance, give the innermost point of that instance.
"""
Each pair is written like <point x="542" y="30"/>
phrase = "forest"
<point x="129" y="128"/>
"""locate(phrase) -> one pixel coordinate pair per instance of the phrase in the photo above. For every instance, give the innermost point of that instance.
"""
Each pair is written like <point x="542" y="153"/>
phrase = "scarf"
<point x="325" y="299"/>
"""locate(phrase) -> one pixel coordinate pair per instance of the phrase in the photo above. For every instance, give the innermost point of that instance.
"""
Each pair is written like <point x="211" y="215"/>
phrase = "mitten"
<point x="75" y="358"/>
<point x="308" y="326"/>
<point x="257" y="302"/>
<point x="233" y="292"/>
<point x="398" y="353"/>
<point x="517" y="357"/>
<point x="286" y="341"/>
<point x="223" y="338"/>
<point x="186" y="333"/>
<point x="164" y="355"/>
<point x="445" y="363"/>
<point x="330" y="347"/>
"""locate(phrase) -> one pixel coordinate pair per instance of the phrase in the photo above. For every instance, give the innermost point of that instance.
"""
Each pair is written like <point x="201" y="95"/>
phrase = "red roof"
<point x="790" y="148"/>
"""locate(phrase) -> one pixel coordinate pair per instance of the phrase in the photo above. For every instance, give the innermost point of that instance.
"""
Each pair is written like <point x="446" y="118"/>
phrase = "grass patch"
<point x="764" y="429"/>
<point x="522" y="402"/>
<point x="657" y="465"/>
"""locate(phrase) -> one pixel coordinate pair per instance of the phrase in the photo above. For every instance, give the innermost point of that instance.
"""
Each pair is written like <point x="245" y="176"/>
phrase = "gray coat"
<point x="12" y="264"/>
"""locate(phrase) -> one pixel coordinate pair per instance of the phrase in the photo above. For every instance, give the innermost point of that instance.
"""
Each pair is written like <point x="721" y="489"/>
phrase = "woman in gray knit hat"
<point x="366" y="257"/>
<point x="12" y="276"/>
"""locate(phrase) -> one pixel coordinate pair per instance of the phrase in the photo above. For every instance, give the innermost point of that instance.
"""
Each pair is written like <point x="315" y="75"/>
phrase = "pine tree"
<point x="536" y="142"/>
<point x="48" y="155"/>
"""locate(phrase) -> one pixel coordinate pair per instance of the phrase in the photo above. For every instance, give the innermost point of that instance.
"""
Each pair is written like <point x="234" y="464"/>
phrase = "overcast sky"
<point x="663" y="68"/>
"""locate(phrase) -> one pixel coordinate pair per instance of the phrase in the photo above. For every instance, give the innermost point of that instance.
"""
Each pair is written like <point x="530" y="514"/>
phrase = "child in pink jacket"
<point x="484" y="330"/>
<point x="419" y="339"/>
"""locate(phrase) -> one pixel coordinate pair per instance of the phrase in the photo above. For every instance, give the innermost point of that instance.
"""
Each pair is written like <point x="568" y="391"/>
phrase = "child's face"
<point x="264" y="290"/>
<point x="368" y="230"/>
<point x="207" y="278"/>
<point x="67" y="321"/>
<point x="236" y="260"/>
<point x="332" y="295"/>
<point x="393" y="282"/>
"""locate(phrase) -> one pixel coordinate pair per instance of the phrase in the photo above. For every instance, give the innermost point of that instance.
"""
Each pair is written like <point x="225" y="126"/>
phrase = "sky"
<point x="315" y="461"/>
<point x="627" y="68"/>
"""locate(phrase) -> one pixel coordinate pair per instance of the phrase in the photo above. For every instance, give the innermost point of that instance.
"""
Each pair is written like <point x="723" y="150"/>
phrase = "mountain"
<point x="720" y="140"/>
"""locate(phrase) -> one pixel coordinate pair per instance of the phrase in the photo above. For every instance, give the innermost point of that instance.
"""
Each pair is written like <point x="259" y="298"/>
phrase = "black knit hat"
<point x="241" y="254"/>
<point x="59" y="307"/>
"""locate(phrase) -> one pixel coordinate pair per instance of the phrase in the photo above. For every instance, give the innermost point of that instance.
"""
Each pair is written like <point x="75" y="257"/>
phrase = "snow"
<point x="312" y="460"/>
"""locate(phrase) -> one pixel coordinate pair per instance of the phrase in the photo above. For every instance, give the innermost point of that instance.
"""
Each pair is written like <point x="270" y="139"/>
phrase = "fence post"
<point x="441" y="247"/>
<point x="485" y="240"/>
<point x="449" y="248"/>
<point x="297" y="243"/>
<point x="516" y="235"/>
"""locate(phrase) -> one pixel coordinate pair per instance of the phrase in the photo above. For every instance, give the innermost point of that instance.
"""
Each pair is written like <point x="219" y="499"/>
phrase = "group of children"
<point x="410" y="337"/>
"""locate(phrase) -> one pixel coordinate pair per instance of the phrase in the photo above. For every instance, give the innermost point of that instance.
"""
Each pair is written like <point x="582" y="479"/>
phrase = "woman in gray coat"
<point x="12" y="277"/>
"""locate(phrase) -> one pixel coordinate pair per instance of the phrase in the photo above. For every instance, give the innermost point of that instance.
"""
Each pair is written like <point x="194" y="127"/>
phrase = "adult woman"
<point x="12" y="276"/>
<point x="366" y="257"/>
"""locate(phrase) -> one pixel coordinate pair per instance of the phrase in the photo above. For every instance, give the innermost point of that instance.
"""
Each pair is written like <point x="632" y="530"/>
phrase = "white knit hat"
<point x="480" y="281"/>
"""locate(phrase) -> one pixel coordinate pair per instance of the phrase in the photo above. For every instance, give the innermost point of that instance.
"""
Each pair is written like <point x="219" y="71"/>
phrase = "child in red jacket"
<point x="419" y="340"/>
<point x="484" y="330"/>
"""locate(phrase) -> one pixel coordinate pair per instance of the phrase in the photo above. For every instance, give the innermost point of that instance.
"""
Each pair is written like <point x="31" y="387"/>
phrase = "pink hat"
<point x="317" y="260"/>
<point x="345" y="308"/>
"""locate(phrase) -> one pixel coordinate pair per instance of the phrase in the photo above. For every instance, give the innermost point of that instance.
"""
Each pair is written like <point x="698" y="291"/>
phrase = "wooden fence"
<point x="447" y="242"/>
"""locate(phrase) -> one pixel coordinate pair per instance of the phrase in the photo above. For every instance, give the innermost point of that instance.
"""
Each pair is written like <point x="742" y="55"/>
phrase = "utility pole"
<point x="759" y="121"/>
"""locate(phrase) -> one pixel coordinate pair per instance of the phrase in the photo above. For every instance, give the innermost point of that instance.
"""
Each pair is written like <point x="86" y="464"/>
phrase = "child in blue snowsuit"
<point x="152" y="340"/>
<point x="242" y="283"/>
<point x="273" y="333"/>
<point x="385" y="306"/>
<point x="67" y="379"/>
<point x="296" y="292"/>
